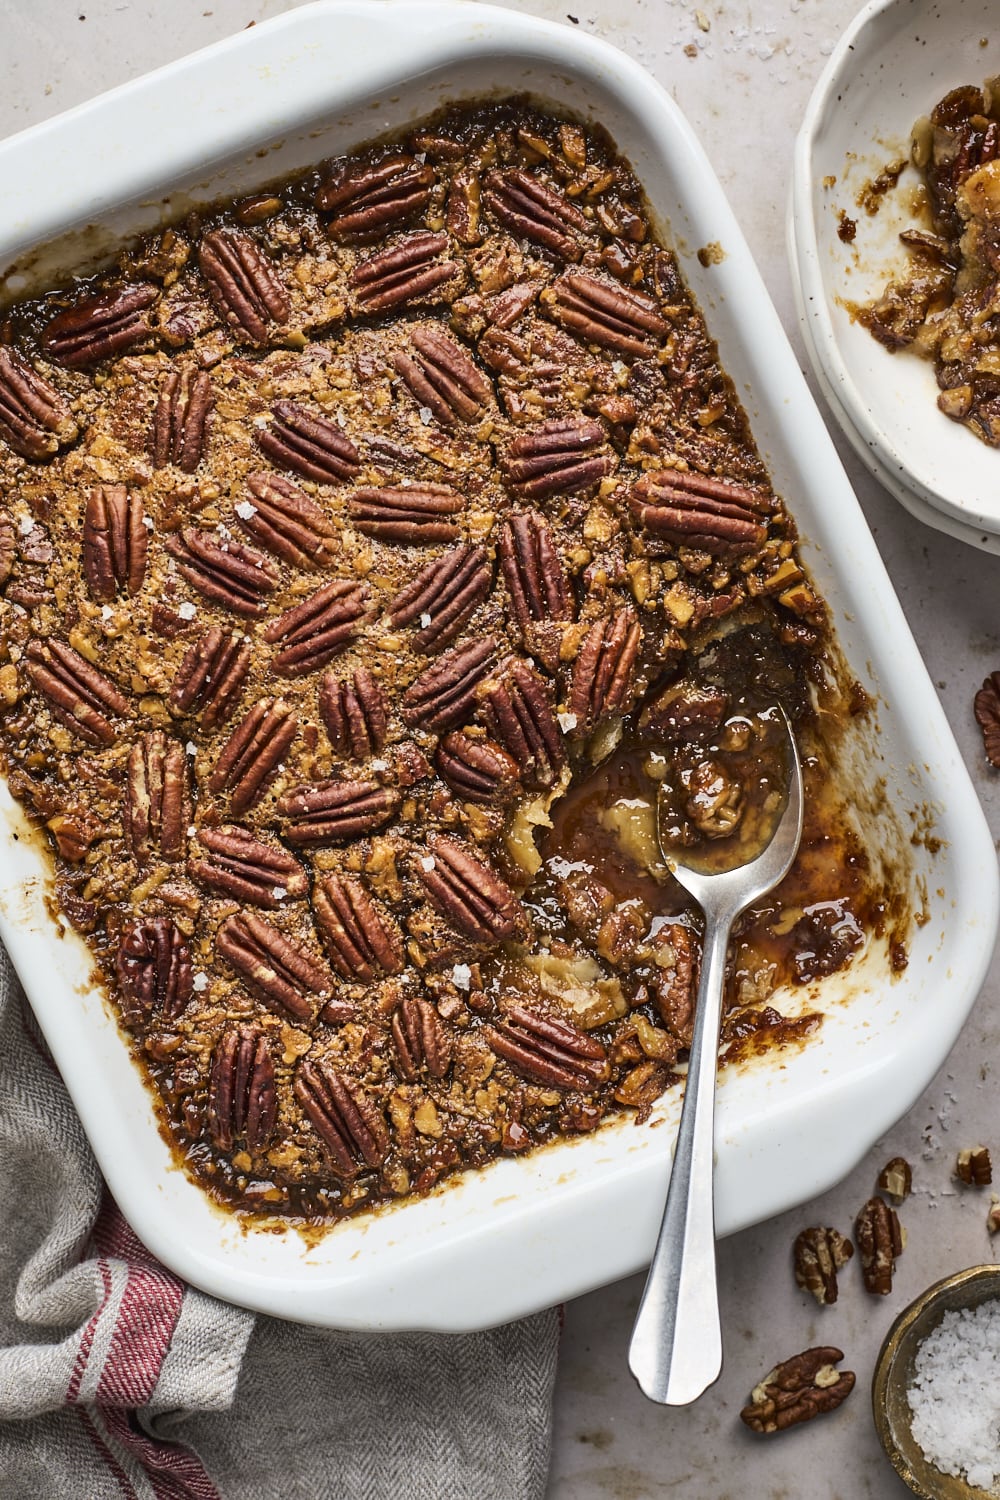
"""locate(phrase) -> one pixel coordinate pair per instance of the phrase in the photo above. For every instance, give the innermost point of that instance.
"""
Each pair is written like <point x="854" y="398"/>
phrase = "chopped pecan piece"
<point x="536" y="579"/>
<point x="154" y="969"/>
<point x="242" y="283"/>
<point x="606" y="314"/>
<point x="558" y="457"/>
<point x="367" y="199"/>
<point x="880" y="1240"/>
<point x="314" y="632"/>
<point x="694" y="510"/>
<point x="115" y="541"/>
<point x="240" y="865"/>
<point x="798" y="1389"/>
<point x="313" y="446"/>
<point x="443" y="596"/>
<point x="987" y="710"/>
<point x="348" y="1122"/>
<point x="253" y="753"/>
<point x="464" y="202"/>
<point x="818" y="1255"/>
<point x="242" y="1099"/>
<point x="333" y="811"/>
<point x="407" y="270"/>
<point x="181" y="418"/>
<point x="444" y="694"/>
<point x="518" y="711"/>
<point x="477" y="770"/>
<point x="417" y="514"/>
<point x="78" y="694"/>
<point x="281" y="974"/>
<point x="360" y="941"/>
<point x="354" y="714"/>
<point x="974" y="1166"/>
<point x="158" y="801"/>
<point x="8" y="548"/>
<point x="211" y="678"/>
<point x="896" y="1179"/>
<point x="284" y="519"/>
<point x="226" y="572"/>
<point x="441" y="376"/>
<point x="604" y="670"/>
<point x="420" y="1039"/>
<point x="99" y="326"/>
<point x="548" y="1050"/>
<point x="34" y="419"/>
<point x="468" y="893"/>
<point x="533" y="211"/>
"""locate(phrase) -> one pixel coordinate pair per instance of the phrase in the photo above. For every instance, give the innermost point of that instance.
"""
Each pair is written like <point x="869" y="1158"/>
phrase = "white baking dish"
<point x="526" y="1232"/>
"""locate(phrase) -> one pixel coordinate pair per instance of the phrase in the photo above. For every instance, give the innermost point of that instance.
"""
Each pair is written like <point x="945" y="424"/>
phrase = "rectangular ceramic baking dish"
<point x="526" y="1232"/>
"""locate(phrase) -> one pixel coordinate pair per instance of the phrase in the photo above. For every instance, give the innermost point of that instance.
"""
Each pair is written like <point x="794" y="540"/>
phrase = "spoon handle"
<point x="676" y="1347"/>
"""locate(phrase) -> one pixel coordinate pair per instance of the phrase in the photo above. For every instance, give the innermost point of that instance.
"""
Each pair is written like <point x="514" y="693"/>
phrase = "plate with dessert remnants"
<point x="397" y="515"/>
<point x="893" y="221"/>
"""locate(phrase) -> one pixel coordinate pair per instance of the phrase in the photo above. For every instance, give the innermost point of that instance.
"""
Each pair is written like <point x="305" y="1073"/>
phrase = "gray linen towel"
<point x="119" y="1382"/>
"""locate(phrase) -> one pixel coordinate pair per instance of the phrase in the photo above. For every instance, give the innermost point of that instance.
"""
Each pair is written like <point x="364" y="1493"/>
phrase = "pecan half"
<point x="441" y="376"/>
<point x="407" y="270"/>
<point x="443" y="596"/>
<point x="418" y="514"/>
<point x="533" y="211"/>
<point x="367" y="199"/>
<point x="818" y="1255"/>
<point x="880" y="1240"/>
<point x="354" y="714"/>
<point x="240" y="865"/>
<point x="228" y="573"/>
<point x="603" y="672"/>
<point x="314" y="632"/>
<point x="242" y="283"/>
<point x="211" y="678"/>
<point x="99" y="326"/>
<point x="606" y="314"/>
<point x="420" y="1040"/>
<point x="468" y="893"/>
<point x="518" y="711"/>
<point x="181" y="418"/>
<point x="896" y="1179"/>
<point x="986" y="707"/>
<point x="676" y="979"/>
<point x="115" y="541"/>
<point x="477" y="770"/>
<point x="313" y="446"/>
<point x="558" y="457"/>
<point x="154" y="970"/>
<point x="360" y="942"/>
<point x="334" y="811"/>
<point x="286" y="521"/>
<point x="444" y="694"/>
<point x="34" y="419"/>
<point x="348" y="1122"/>
<point x="78" y="694"/>
<point x="253" y="753"/>
<point x="548" y="1050"/>
<point x="974" y="1166"/>
<point x="282" y="974"/>
<point x="158" y="800"/>
<point x="242" y="1099"/>
<point x="694" y="510"/>
<point x="537" y="582"/>
<point x="798" y="1389"/>
<point x="464" y="202"/>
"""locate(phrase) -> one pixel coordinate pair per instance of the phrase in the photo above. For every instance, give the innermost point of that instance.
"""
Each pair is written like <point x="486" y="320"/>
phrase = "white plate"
<point x="526" y="1232"/>
<point x="892" y="65"/>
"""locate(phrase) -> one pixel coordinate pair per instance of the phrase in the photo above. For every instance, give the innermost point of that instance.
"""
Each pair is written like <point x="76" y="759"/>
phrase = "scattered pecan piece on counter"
<point x="441" y="376"/>
<point x="695" y="510"/>
<point x="603" y="673"/>
<point x="558" y="457"/>
<point x="818" y="1256"/>
<point x="354" y="714"/>
<point x="420" y="1039"/>
<point x="158" y="797"/>
<point x="445" y="693"/>
<point x="993" y="1217"/>
<point x="548" y="1050"/>
<point x="35" y="420"/>
<point x="115" y="542"/>
<point x="533" y="211"/>
<point x="78" y="694"/>
<point x="443" y="596"/>
<point x="286" y="521"/>
<point x="313" y="446"/>
<point x="418" y="514"/>
<point x="797" y="1390"/>
<point x="242" y="283"/>
<point x="987" y="711"/>
<point x="154" y="968"/>
<point x="211" y="678"/>
<point x="279" y="972"/>
<point x="238" y="864"/>
<point x="468" y="893"/>
<point x="181" y="418"/>
<point x="250" y="758"/>
<point x="367" y="199"/>
<point x="360" y="941"/>
<point x="242" y="1099"/>
<point x="407" y="270"/>
<point x="312" y="633"/>
<point x="227" y="573"/>
<point x="974" y="1166"/>
<point x="896" y="1179"/>
<point x="335" y="811"/>
<point x="99" y="326"/>
<point x="604" y="313"/>
<point x="519" y="712"/>
<point x="347" y="1121"/>
<point x="880" y="1239"/>
<point x="476" y="769"/>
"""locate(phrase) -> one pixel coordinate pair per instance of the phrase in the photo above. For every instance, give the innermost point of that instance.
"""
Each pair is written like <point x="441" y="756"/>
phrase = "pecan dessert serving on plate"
<point x="371" y="551"/>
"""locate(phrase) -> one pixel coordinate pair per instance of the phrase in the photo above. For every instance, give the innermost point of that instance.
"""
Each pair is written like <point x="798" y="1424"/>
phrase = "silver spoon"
<point x="676" y="1348"/>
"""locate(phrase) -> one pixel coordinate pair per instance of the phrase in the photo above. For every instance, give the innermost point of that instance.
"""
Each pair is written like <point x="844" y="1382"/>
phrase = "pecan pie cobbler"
<point x="371" y="550"/>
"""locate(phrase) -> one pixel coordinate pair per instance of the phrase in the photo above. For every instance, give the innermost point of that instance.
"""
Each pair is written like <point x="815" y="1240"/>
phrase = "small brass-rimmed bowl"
<point x="894" y="1375"/>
